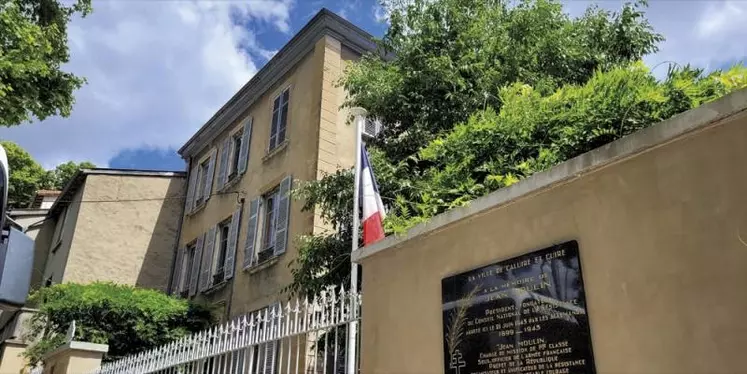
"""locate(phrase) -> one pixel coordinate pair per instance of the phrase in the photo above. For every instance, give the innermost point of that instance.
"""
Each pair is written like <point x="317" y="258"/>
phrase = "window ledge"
<point x="253" y="269"/>
<point x="215" y="288"/>
<point x="231" y="182"/>
<point x="198" y="208"/>
<point x="275" y="151"/>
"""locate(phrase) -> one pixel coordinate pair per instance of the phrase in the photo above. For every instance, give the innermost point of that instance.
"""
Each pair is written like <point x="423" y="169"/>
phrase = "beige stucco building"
<point x="284" y="126"/>
<point x="113" y="225"/>
<point x="106" y="225"/>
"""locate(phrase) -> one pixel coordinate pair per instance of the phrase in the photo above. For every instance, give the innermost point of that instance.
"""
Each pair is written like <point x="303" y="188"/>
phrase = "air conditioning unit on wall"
<point x="372" y="127"/>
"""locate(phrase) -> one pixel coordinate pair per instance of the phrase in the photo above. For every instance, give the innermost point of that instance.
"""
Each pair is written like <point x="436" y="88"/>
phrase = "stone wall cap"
<point x="623" y="148"/>
<point x="77" y="346"/>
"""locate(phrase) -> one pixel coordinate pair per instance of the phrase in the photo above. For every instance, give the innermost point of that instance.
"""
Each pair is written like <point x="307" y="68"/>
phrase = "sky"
<point x="157" y="70"/>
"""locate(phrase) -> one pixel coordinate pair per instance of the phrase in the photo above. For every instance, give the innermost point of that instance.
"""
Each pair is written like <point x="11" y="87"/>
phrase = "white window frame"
<point x="218" y="263"/>
<point x="267" y="235"/>
<point x="234" y="155"/>
<point x="202" y="171"/>
<point x="275" y="125"/>
<point x="190" y="251"/>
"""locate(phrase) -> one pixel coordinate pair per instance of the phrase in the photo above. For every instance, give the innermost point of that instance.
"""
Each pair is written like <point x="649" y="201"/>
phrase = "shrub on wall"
<point x="127" y="318"/>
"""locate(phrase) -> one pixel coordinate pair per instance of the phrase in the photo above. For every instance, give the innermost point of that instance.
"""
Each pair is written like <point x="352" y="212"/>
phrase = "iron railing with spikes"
<point x="304" y="336"/>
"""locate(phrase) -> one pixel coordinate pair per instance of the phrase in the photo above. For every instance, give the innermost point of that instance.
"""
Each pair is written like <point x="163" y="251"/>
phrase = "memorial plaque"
<point x="523" y="315"/>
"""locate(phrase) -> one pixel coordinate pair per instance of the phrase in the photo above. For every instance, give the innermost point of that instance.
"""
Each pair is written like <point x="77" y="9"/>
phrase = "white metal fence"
<point x="302" y="336"/>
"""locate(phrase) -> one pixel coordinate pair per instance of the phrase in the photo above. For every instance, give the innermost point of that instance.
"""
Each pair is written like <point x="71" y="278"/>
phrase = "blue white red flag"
<point x="373" y="208"/>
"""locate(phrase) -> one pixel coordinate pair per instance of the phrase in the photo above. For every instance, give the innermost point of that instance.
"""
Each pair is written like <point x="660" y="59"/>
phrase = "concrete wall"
<point x="131" y="240"/>
<point x="658" y="218"/>
<point x="11" y="357"/>
<point x="313" y="99"/>
<point x="74" y="358"/>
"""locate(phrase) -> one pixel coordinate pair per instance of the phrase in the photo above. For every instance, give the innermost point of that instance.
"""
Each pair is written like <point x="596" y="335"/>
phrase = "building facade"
<point x="113" y="225"/>
<point x="286" y="125"/>
<point x="106" y="225"/>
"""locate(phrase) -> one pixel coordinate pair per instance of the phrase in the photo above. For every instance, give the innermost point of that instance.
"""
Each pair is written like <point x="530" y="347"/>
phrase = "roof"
<point x="79" y="178"/>
<point x="324" y="23"/>
<point x="628" y="146"/>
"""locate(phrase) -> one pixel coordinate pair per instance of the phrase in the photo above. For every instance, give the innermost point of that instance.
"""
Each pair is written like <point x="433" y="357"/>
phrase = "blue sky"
<point x="158" y="69"/>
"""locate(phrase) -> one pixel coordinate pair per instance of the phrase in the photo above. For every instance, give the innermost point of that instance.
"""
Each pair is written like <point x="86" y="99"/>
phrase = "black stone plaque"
<point x="523" y="315"/>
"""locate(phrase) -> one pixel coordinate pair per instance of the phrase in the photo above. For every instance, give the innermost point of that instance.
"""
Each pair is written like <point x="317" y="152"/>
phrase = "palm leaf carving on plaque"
<point x="457" y="320"/>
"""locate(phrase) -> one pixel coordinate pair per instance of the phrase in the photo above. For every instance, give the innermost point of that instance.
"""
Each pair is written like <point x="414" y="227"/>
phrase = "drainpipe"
<point x="179" y="230"/>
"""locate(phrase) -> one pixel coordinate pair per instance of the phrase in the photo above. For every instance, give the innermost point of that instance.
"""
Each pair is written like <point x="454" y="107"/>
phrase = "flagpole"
<point x="353" y="326"/>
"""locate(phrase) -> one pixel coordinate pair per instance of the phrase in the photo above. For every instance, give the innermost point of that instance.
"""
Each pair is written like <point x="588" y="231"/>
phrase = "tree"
<point x="128" y="319"/>
<point x="452" y="56"/>
<point x="63" y="173"/>
<point x="27" y="176"/>
<point x="33" y="48"/>
<point x="480" y="94"/>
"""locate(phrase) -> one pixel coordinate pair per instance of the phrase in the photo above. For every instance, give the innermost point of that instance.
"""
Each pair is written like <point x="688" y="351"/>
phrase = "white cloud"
<point x="722" y="17"/>
<point x="156" y="70"/>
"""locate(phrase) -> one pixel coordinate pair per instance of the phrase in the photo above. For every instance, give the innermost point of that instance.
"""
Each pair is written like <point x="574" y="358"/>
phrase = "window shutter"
<point x="207" y="260"/>
<point x="208" y="189"/>
<point x="223" y="167"/>
<point x="196" y="267"/>
<point x="246" y="139"/>
<point x="176" y="275"/>
<point x="191" y="190"/>
<point x="281" y="223"/>
<point x="233" y="236"/>
<point x="271" y="346"/>
<point x="251" y="233"/>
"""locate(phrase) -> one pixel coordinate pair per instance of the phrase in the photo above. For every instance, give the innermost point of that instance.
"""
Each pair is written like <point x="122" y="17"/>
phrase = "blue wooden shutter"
<point x="233" y="236"/>
<point x="208" y="189"/>
<point x="223" y="166"/>
<point x="246" y="140"/>
<point x="207" y="260"/>
<point x="251" y="233"/>
<point x="271" y="347"/>
<point x="282" y="220"/>
<point x="176" y="275"/>
<point x="195" y="267"/>
<point x="189" y="204"/>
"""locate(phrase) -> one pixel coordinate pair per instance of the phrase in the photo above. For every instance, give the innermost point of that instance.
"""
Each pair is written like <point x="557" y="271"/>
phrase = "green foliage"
<point x="478" y="95"/>
<point x="450" y="57"/>
<point x="63" y="173"/>
<point x="27" y="176"/>
<point x="33" y="47"/>
<point x="126" y="318"/>
<point x="325" y="259"/>
<point x="533" y="132"/>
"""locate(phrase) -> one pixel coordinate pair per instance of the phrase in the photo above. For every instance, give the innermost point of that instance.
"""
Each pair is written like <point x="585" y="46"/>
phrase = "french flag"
<point x="373" y="208"/>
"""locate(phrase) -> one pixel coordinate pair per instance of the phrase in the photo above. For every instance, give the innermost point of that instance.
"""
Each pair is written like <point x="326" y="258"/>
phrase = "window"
<point x="224" y="229"/>
<point x="279" y="119"/>
<point x="202" y="174"/>
<point x="269" y="221"/>
<point x="187" y="268"/>
<point x="235" y="154"/>
<point x="57" y="236"/>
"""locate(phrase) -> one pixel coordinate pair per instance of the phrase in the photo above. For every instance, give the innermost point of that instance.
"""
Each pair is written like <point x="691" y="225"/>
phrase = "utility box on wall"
<point x="16" y="262"/>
